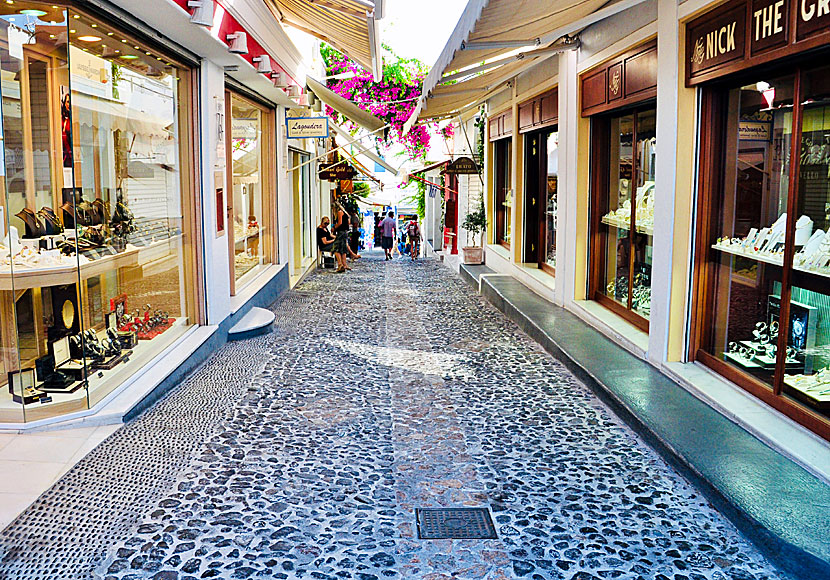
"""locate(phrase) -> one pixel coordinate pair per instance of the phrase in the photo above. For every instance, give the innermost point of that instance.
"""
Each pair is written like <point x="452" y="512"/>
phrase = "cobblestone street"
<point x="303" y="454"/>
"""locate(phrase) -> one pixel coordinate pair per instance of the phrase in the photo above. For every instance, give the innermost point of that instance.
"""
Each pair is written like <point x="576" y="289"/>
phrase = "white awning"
<point x="345" y="107"/>
<point x="350" y="26"/>
<point x="496" y="40"/>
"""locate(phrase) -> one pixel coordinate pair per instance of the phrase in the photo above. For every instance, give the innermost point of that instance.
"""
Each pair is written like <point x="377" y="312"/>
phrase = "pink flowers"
<point x="392" y="100"/>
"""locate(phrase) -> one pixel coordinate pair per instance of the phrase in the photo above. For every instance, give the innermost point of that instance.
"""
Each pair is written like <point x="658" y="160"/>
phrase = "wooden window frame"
<point x="710" y="186"/>
<point x="501" y="173"/>
<point x="600" y="189"/>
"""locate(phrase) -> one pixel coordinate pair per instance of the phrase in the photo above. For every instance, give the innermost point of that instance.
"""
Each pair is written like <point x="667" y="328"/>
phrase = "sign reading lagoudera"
<point x="717" y="40"/>
<point x="307" y="127"/>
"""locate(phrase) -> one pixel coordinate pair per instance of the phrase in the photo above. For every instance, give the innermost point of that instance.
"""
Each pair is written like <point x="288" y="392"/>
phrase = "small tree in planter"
<point x="475" y="223"/>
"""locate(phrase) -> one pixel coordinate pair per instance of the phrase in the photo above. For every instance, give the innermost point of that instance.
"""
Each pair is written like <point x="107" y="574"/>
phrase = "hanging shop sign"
<point x="307" y="127"/>
<point x="621" y="81"/>
<point x="337" y="172"/>
<point x="462" y="166"/>
<point x="745" y="33"/>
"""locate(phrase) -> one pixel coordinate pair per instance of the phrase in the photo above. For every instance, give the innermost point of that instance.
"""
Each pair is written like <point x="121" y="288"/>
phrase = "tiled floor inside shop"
<point x="304" y="454"/>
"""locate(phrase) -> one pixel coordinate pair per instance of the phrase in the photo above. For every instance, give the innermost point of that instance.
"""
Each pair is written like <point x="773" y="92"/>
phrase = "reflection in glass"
<point x="247" y="161"/>
<point x="95" y="271"/>
<point x="551" y="197"/>
<point x="503" y="193"/>
<point x="752" y="219"/>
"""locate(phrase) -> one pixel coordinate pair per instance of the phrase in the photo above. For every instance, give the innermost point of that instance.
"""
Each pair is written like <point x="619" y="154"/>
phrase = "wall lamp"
<point x="263" y="64"/>
<point x="203" y="15"/>
<point x="238" y="42"/>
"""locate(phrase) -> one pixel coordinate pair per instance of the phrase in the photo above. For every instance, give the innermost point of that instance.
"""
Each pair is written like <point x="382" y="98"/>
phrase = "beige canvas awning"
<point x="345" y="107"/>
<point x="350" y="26"/>
<point x="496" y="40"/>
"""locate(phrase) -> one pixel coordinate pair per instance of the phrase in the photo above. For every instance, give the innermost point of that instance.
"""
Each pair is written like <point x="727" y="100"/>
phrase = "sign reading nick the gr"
<point x="744" y="33"/>
<point x="307" y="127"/>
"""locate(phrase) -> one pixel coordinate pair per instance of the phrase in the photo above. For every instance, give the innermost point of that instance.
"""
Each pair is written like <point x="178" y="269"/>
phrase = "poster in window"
<point x="219" y="183"/>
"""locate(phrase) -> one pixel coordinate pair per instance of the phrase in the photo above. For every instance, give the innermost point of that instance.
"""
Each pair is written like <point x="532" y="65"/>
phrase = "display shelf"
<point x="101" y="382"/>
<point x="624" y="225"/>
<point x="20" y="278"/>
<point x="767" y="259"/>
<point x="237" y="240"/>
<point x="814" y="399"/>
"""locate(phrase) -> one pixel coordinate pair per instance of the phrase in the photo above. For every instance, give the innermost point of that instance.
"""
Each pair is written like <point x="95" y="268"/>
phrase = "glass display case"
<point x="96" y="275"/>
<point x="623" y="193"/>
<point x="768" y="243"/>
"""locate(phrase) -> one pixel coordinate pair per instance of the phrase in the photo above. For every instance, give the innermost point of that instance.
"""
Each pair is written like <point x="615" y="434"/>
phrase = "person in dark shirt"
<point x="325" y="241"/>
<point x="341" y="239"/>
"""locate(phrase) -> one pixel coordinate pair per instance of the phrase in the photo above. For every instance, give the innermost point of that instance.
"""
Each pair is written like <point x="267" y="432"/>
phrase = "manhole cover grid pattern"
<point x="455" y="523"/>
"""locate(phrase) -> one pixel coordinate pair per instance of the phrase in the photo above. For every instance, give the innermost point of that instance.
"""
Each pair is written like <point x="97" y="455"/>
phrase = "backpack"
<point x="412" y="229"/>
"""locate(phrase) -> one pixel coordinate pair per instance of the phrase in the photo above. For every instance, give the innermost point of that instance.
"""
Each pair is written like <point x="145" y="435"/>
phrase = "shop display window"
<point x="301" y="185"/>
<point x="767" y="241"/>
<point x="503" y="193"/>
<point x="249" y="184"/>
<point x="96" y="268"/>
<point x="623" y="165"/>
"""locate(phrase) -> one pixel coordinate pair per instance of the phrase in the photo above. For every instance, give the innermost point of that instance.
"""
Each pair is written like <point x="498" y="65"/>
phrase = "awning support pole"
<point x="313" y="159"/>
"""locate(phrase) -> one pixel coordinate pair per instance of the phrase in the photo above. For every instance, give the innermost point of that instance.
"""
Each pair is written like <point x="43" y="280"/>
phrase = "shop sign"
<point x="337" y="172"/>
<point x="719" y="37"/>
<point x="462" y="166"/>
<point x="754" y="131"/>
<point x="717" y="40"/>
<point x="813" y="17"/>
<point x="307" y="127"/>
<point x="242" y="128"/>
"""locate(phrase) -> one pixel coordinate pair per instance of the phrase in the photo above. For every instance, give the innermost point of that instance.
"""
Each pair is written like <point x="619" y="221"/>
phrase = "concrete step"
<point x="255" y="322"/>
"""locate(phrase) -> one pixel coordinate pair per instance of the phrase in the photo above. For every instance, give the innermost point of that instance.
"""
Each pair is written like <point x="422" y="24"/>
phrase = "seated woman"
<point x="325" y="241"/>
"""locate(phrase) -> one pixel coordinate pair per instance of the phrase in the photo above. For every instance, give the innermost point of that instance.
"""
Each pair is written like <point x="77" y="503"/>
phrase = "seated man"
<point x="325" y="241"/>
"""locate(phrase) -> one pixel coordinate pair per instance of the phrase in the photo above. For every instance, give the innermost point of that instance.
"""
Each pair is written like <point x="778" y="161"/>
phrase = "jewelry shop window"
<point x="250" y="185"/>
<point x="623" y="165"/>
<point x="96" y="266"/>
<point x="766" y="234"/>
<point x="503" y="193"/>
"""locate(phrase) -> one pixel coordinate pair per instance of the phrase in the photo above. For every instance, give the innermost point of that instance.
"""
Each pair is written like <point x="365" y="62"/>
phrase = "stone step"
<point x="255" y="322"/>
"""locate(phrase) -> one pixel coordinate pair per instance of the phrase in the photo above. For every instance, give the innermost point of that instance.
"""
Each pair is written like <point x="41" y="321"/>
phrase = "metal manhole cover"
<point x="455" y="523"/>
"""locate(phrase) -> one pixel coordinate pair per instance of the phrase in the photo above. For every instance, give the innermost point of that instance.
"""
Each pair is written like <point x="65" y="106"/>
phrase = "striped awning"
<point x="350" y="26"/>
<point x="496" y="40"/>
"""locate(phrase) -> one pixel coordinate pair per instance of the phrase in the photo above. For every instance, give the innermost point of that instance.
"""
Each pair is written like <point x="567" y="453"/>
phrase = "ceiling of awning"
<point x="495" y="40"/>
<point x="347" y="25"/>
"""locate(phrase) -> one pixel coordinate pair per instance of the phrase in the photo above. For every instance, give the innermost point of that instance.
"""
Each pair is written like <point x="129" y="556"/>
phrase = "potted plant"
<point x="475" y="223"/>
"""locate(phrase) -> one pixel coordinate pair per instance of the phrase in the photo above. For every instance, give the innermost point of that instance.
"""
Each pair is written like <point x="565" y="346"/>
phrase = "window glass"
<point x="551" y="200"/>
<point x="97" y="207"/>
<point x="247" y="162"/>
<point x="503" y="192"/>
<point x="618" y="218"/>
<point x="808" y="378"/>
<point x="748" y="240"/>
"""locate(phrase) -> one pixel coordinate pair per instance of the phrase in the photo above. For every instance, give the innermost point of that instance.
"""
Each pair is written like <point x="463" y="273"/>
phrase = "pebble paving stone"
<point x="303" y="454"/>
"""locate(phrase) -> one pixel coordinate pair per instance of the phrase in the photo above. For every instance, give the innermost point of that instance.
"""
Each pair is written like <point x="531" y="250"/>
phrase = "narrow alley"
<point x="304" y="453"/>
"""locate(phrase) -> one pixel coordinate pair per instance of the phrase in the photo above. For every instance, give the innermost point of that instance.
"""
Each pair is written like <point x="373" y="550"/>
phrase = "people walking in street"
<point x="354" y="235"/>
<point x="388" y="229"/>
<point x="413" y="232"/>
<point x="341" y="239"/>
